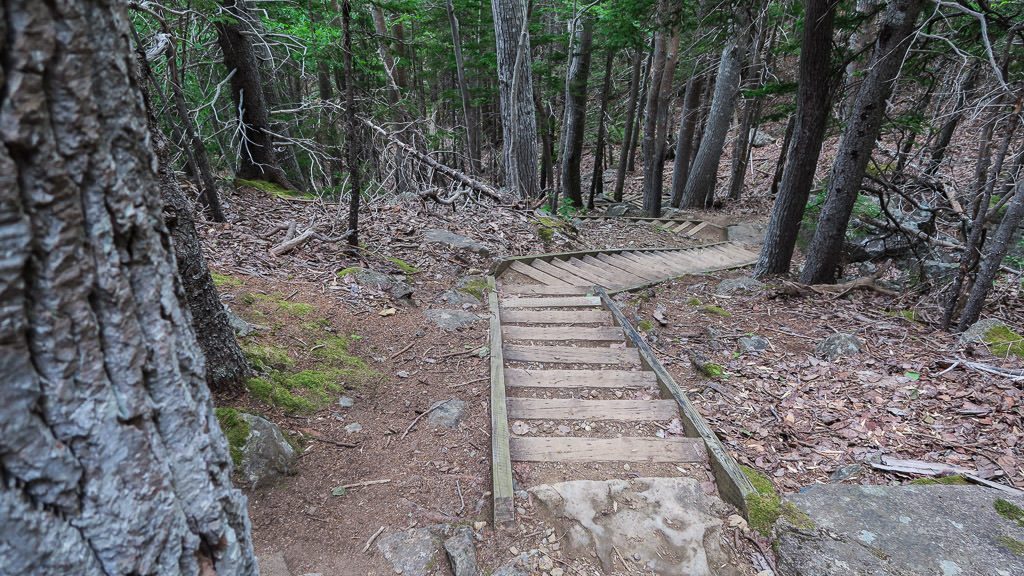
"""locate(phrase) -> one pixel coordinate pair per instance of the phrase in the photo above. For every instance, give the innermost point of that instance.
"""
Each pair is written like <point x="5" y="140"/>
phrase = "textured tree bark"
<point x="780" y="162"/>
<point x="654" y="172"/>
<point x="515" y="88"/>
<point x="858" y="140"/>
<point x="640" y="117"/>
<point x="112" y="458"/>
<point x="597" y="176"/>
<point x="576" y="78"/>
<point x="469" y="112"/>
<point x="628" y="134"/>
<point x="352" y="139"/>
<point x="751" y="109"/>
<point x="659" y="56"/>
<point x="257" y="159"/>
<point x="809" y="123"/>
<point x="684" y="140"/>
<point x="700" y="186"/>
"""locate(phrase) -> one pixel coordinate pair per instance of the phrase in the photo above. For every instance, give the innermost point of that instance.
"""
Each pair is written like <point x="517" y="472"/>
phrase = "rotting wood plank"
<point x="625" y="449"/>
<point x="501" y="463"/>
<point x="595" y="334"/>
<point x="562" y="275"/>
<point x="516" y="316"/>
<point x="581" y="272"/>
<point x="571" y="354"/>
<point x="524" y="378"/>
<point x="554" y="302"/>
<point x="545" y="290"/>
<point x="538" y="275"/>
<point x="574" y="409"/>
<point x="733" y="484"/>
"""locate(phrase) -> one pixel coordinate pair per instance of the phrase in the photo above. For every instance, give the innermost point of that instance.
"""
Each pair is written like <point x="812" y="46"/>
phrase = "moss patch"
<point x="1010" y="511"/>
<point x="278" y="302"/>
<point x="270" y="188"/>
<point x="402" y="265"/>
<point x="952" y="480"/>
<point x="908" y="315"/>
<point x="694" y="302"/>
<point x="235" y="429"/>
<point x="224" y="280"/>
<point x="1013" y="545"/>
<point x="645" y="325"/>
<point x="335" y="353"/>
<point x="347" y="271"/>
<point x="265" y="358"/>
<point x="716" y="310"/>
<point x="476" y="287"/>
<point x="765" y="506"/>
<point x="1005" y="342"/>
<point x="712" y="370"/>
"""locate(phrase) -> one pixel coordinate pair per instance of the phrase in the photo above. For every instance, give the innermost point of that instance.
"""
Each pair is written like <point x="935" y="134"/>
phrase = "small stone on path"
<point x="838" y="345"/>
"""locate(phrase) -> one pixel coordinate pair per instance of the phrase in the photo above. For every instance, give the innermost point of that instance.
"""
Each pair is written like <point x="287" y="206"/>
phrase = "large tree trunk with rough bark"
<point x="576" y="78"/>
<point x="515" y="88"/>
<point x="628" y="134"/>
<point x="654" y="168"/>
<point x="684" y="140"/>
<point x="256" y="159"/>
<point x="112" y="458"/>
<point x="811" y="119"/>
<point x="864" y="124"/>
<point x="597" y="175"/>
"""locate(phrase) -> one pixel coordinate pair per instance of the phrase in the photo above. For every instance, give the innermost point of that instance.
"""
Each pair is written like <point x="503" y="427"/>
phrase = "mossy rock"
<point x="1004" y="342"/>
<point x="1010" y="511"/>
<point x="235" y="429"/>
<point x="1012" y="544"/>
<point x="402" y="265"/>
<point x="645" y="325"/>
<point x="952" y="480"/>
<point x="475" y="286"/>
<point x="765" y="506"/>
<point x="271" y="188"/>
<point x="267" y="357"/>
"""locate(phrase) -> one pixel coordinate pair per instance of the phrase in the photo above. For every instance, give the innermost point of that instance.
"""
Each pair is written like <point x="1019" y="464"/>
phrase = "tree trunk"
<point x="780" y="162"/>
<point x="640" y="117"/>
<point x="700" y="186"/>
<point x="659" y="56"/>
<point x="257" y="159"/>
<point x="469" y="112"/>
<point x="547" y="144"/>
<point x="750" y="111"/>
<point x="576" y="78"/>
<point x="112" y="457"/>
<point x="938" y="150"/>
<point x="654" y="172"/>
<point x="684" y="140"/>
<point x="352" y="139"/>
<point x="628" y="133"/>
<point x="858" y="140"/>
<point x="809" y="124"/>
<point x="597" y="177"/>
<point x="515" y="87"/>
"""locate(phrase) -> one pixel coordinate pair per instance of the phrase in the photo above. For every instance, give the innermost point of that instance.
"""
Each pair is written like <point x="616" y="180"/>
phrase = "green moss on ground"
<point x="1010" y="511"/>
<point x="349" y="270"/>
<point x="765" y="506"/>
<point x="235" y="429"/>
<point x="716" y="310"/>
<point x="267" y="357"/>
<point x="1013" y="545"/>
<point x="545" y="234"/>
<point x="270" y="188"/>
<point x="953" y="480"/>
<point x="645" y="325"/>
<point x="712" y="370"/>
<point x="1005" y="342"/>
<point x="694" y="302"/>
<point x="477" y="287"/>
<point x="336" y="354"/>
<point x="224" y="280"/>
<point x="278" y="301"/>
<point x="402" y="265"/>
<point x="908" y="315"/>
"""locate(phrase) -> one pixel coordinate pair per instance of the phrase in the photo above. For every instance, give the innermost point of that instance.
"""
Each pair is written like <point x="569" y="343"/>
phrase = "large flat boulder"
<point x="910" y="530"/>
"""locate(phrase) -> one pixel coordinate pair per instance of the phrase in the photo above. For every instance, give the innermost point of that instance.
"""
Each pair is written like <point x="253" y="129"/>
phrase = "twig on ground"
<point x="417" y="419"/>
<point x="372" y="538"/>
<point x="366" y="483"/>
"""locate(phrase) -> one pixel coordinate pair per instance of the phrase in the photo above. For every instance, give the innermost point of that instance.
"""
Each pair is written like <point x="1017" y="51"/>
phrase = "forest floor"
<point x="783" y="411"/>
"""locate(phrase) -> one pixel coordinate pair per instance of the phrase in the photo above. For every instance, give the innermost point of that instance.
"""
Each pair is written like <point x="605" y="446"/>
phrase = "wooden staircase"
<point x="687" y="227"/>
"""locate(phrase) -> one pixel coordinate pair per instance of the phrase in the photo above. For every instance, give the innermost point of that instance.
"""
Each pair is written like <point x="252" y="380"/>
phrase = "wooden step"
<point x="571" y="355"/>
<point x="543" y="290"/>
<point x="626" y="449"/>
<point x="573" y="409"/>
<point x="556" y="317"/>
<point x="595" y="334"/>
<point x="521" y="378"/>
<point x="579" y="271"/>
<point x="538" y="275"/>
<point x="693" y="231"/>
<point x="625" y="264"/>
<point x="560" y="274"/>
<point x="557" y="302"/>
<point x="613" y="278"/>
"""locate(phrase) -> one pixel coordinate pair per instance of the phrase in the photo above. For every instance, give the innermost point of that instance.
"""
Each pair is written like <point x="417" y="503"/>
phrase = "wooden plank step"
<point x="558" y="302"/>
<point x="538" y="275"/>
<point x="625" y="264"/>
<point x="682" y="227"/>
<point x="544" y="290"/>
<point x="626" y="449"/>
<point x="614" y="278"/>
<point x="693" y="231"/>
<point x="572" y="355"/>
<point x="574" y="409"/>
<point x="559" y="273"/>
<point x="594" y="334"/>
<point x="578" y="271"/>
<point x="556" y="317"/>
<point x="521" y="378"/>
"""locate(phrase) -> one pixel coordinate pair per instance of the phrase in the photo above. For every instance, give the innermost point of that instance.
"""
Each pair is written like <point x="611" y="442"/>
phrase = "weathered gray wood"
<point x="626" y="449"/>
<point x="628" y="265"/>
<point x="573" y="409"/>
<point x="501" y="464"/>
<point x="612" y="277"/>
<point x="545" y="290"/>
<point x="580" y="272"/>
<point x="503" y="264"/>
<point x="556" y="317"/>
<point x="733" y="484"/>
<point x="596" y="334"/>
<point x="693" y="231"/>
<point x="554" y="302"/>
<point x="562" y="275"/>
<point x="519" y="377"/>
<point x="538" y="275"/>
<point x="571" y="355"/>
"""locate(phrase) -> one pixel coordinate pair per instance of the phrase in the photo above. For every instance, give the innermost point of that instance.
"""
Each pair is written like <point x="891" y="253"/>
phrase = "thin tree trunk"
<point x="469" y="112"/>
<point x="807" y="125"/>
<point x="113" y="460"/>
<point x="515" y="83"/>
<point x="684" y="140"/>
<point x="780" y="163"/>
<point x="628" y="133"/>
<point x="352" y="139"/>
<point x="597" y="177"/>
<point x="654" y="171"/>
<point x="859" y="138"/>
<point x="576" y="78"/>
<point x="750" y="112"/>
<point x="640" y="116"/>
<point x="547" y="149"/>
<point x="938" y="150"/>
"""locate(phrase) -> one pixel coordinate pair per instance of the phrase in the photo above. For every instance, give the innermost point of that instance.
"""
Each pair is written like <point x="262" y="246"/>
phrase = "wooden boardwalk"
<point x="616" y="269"/>
<point x="686" y="227"/>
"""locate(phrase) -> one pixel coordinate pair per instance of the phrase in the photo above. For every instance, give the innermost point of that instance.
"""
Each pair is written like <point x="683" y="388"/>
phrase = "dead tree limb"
<point x="289" y="245"/>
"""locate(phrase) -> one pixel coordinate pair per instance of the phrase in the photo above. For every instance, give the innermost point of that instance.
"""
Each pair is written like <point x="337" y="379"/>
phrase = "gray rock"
<point x="976" y="333"/>
<point x="940" y="273"/>
<point x="838" y="345"/>
<point x="458" y="298"/>
<point x="846" y="472"/>
<point x="448" y="414"/>
<point x="899" y="530"/>
<point x="462" y="553"/>
<point x="454" y="241"/>
<point x="384" y="282"/>
<point x="451" y="320"/>
<point x="241" y="327"/>
<point x="669" y="525"/>
<point x="734" y="285"/>
<point x="525" y="564"/>
<point x="746" y="233"/>
<point x="266" y="455"/>
<point x="753" y="344"/>
<point x="354" y="427"/>
<point x="760" y="138"/>
<point x="273" y="565"/>
<point x="346" y="402"/>
<point x="413" y="551"/>
<point x="617" y="210"/>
